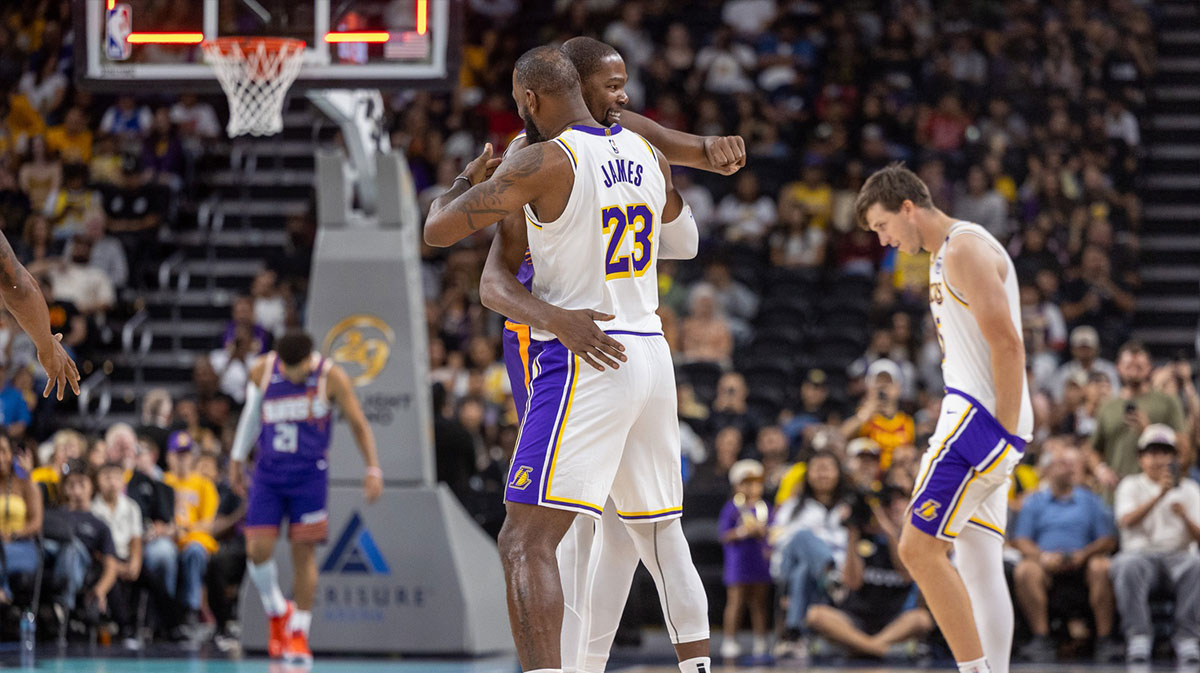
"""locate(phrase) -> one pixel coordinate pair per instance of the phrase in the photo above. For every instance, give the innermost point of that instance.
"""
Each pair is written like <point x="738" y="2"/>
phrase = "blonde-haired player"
<point x="959" y="502"/>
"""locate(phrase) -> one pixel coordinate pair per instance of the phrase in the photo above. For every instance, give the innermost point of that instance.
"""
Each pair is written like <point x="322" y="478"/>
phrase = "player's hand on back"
<point x="578" y="331"/>
<point x="481" y="167"/>
<point x="60" y="369"/>
<point x="726" y="154"/>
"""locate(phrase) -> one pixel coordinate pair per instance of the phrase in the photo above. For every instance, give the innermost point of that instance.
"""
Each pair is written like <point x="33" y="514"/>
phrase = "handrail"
<point x="96" y="384"/>
<point x="131" y="329"/>
<point x="168" y="265"/>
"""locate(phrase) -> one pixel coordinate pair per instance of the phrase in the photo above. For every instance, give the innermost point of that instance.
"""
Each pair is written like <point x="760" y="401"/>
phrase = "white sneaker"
<point x="759" y="648"/>
<point x="1187" y="651"/>
<point x="730" y="649"/>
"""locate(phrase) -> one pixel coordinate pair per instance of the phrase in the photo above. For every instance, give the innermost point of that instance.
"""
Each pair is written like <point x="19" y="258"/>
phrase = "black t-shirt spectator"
<point x="156" y="499"/>
<point x="61" y="313"/>
<point x="92" y="532"/>
<point x="228" y="502"/>
<point x="884" y="593"/>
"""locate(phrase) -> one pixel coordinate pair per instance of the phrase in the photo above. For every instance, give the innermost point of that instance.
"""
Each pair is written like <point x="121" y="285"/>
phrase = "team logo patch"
<point x="521" y="480"/>
<point x="928" y="510"/>
<point x="360" y="343"/>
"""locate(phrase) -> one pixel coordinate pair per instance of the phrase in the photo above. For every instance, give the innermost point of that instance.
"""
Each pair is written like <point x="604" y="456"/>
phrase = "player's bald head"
<point x="588" y="54"/>
<point x="546" y="71"/>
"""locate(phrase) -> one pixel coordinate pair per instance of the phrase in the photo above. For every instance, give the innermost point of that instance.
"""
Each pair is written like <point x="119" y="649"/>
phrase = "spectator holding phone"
<point x="1158" y="515"/>
<point x="1121" y="420"/>
<point x="879" y="416"/>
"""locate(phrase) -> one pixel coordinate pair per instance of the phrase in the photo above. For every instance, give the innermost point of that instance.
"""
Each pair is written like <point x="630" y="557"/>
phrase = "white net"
<point x="255" y="74"/>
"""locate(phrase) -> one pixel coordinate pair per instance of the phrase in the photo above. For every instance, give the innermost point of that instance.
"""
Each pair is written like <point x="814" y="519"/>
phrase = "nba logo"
<point x="613" y="143"/>
<point x="118" y="27"/>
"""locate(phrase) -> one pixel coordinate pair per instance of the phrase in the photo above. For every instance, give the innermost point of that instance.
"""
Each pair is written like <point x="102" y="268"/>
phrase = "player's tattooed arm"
<point x="718" y="154"/>
<point x="23" y="296"/>
<point x="531" y="174"/>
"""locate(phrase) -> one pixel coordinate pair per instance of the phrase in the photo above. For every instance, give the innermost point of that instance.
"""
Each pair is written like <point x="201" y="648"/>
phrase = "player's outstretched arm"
<point x="978" y="271"/>
<point x="24" y="299"/>
<point x="718" y="154"/>
<point x="342" y="393"/>
<point x="477" y="201"/>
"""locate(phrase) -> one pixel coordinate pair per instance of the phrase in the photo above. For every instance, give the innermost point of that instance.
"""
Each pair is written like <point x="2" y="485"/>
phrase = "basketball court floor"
<point x="111" y="660"/>
<point x="505" y="665"/>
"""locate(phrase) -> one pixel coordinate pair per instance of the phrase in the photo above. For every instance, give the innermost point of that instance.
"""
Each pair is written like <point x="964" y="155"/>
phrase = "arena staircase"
<point x="1168" y="303"/>
<point x="235" y="219"/>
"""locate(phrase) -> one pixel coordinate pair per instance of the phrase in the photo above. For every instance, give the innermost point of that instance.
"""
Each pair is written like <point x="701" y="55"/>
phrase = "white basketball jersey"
<point x="966" y="356"/>
<point x="602" y="252"/>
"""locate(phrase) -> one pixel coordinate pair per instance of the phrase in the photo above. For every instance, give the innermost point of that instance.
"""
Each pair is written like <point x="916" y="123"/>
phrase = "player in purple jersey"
<point x="289" y="411"/>
<point x="603" y="76"/>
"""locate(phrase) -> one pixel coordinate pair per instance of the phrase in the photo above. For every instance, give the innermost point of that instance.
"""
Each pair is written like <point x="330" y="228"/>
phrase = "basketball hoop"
<point x="255" y="73"/>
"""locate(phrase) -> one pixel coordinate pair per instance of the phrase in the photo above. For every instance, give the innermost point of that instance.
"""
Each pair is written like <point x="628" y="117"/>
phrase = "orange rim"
<point x="224" y="45"/>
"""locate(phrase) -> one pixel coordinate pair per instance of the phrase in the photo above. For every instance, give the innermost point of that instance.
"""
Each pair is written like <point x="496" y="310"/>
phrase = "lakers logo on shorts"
<point x="521" y="479"/>
<point x="928" y="510"/>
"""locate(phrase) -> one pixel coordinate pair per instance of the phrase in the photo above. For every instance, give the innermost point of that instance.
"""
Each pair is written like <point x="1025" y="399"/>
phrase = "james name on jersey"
<point x="621" y="170"/>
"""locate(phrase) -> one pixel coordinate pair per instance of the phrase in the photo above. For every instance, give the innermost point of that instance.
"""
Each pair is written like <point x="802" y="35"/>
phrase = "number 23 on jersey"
<point x="622" y="260"/>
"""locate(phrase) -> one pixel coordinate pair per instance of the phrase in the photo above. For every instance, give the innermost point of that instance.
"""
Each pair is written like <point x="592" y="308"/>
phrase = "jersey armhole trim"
<point x="570" y="152"/>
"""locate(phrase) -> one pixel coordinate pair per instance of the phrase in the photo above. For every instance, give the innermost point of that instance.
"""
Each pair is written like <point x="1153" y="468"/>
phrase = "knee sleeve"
<point x="979" y="556"/>
<point x="664" y="550"/>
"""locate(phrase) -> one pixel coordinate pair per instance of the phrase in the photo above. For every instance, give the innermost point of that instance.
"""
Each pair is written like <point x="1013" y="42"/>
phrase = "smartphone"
<point x="1130" y="408"/>
<point x="1176" y="472"/>
<point x="882" y="395"/>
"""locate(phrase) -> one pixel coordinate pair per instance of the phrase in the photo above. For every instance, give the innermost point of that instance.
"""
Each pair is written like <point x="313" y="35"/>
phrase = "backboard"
<point x="144" y="45"/>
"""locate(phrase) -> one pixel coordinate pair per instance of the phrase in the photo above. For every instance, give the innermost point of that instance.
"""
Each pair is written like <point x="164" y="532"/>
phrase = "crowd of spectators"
<point x="800" y="344"/>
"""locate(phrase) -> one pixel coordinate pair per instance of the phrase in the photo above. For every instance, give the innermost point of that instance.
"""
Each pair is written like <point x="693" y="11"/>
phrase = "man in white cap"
<point x="1085" y="357"/>
<point x="879" y="416"/>
<point x="1158" y="516"/>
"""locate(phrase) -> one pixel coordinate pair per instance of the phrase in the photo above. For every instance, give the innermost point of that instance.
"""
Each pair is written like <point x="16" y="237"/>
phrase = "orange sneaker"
<point x="297" y="651"/>
<point x="278" y="635"/>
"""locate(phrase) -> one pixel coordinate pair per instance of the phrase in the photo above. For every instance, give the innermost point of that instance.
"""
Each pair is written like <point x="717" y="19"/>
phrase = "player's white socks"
<point x="977" y="666"/>
<point x="301" y="621"/>
<point x="266" y="580"/>
<point x="979" y="556"/>
<point x="696" y="665"/>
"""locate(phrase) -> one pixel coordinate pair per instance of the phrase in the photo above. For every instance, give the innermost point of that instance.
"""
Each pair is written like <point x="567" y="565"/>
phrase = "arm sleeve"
<point x="680" y="237"/>
<point x="248" y="423"/>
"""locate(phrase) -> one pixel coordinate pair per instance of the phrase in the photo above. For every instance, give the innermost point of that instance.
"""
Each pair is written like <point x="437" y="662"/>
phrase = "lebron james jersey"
<point x="967" y="358"/>
<point x="601" y="253"/>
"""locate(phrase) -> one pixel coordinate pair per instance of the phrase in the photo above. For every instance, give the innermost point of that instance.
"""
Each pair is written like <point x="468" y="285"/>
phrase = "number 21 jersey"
<point x="297" y="421"/>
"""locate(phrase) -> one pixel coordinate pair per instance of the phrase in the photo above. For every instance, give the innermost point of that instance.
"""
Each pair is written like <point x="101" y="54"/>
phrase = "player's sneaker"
<point x="278" y="638"/>
<point x="296" y="651"/>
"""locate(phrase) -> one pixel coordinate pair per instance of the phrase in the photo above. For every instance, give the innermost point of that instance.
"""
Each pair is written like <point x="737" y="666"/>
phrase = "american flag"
<point x="407" y="45"/>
